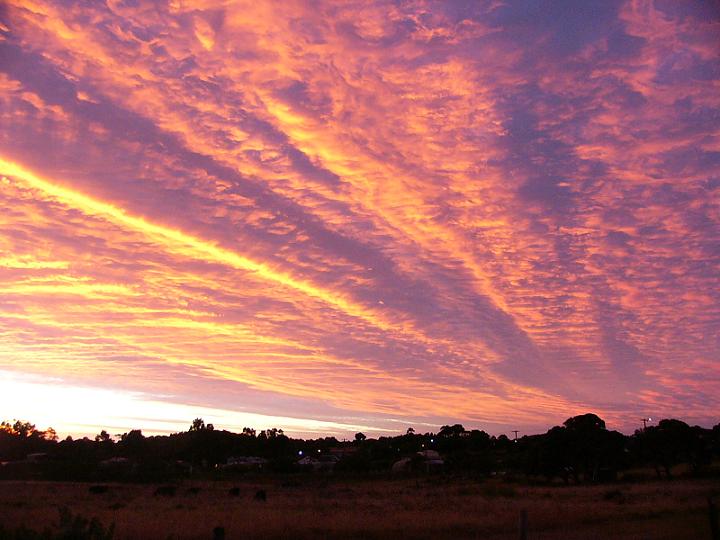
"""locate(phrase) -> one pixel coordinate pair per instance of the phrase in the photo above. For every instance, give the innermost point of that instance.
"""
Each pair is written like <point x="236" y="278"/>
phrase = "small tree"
<point x="133" y="444"/>
<point x="197" y="425"/>
<point x="103" y="436"/>
<point x="21" y="429"/>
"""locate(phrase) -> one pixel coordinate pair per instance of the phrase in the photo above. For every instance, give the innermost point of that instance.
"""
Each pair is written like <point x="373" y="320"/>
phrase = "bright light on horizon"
<point x="84" y="411"/>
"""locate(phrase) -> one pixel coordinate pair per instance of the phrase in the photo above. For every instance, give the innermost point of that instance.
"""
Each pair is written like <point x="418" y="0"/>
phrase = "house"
<point x="244" y="463"/>
<point x="117" y="467"/>
<point x="343" y="451"/>
<point x="320" y="463"/>
<point x="424" y="461"/>
<point x="39" y="457"/>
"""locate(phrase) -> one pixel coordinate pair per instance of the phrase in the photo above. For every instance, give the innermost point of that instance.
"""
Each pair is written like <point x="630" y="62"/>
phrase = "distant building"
<point x="342" y="451"/>
<point x="114" y="462"/>
<point x="321" y="463"/>
<point x="117" y="467"/>
<point x="247" y="463"/>
<point x="424" y="461"/>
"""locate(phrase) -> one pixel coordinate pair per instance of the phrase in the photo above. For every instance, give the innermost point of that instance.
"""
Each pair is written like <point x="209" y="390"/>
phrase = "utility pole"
<point x="515" y="431"/>
<point x="645" y="421"/>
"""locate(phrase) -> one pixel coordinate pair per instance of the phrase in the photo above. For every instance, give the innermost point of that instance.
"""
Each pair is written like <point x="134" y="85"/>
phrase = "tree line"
<point x="582" y="449"/>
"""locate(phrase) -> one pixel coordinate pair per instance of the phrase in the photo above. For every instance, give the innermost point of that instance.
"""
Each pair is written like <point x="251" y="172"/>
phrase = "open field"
<point x="425" y="507"/>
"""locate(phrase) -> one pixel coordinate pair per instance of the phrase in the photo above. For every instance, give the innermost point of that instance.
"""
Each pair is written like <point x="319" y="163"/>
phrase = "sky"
<point x="330" y="217"/>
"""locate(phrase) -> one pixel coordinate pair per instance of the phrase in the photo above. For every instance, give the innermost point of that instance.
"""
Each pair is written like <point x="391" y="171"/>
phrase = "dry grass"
<point x="384" y="508"/>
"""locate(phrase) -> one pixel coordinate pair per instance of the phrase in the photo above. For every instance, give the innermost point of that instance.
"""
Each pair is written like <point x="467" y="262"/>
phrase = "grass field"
<point x="425" y="507"/>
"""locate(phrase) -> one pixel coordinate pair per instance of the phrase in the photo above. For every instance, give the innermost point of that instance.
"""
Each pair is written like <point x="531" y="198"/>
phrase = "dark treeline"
<point x="581" y="450"/>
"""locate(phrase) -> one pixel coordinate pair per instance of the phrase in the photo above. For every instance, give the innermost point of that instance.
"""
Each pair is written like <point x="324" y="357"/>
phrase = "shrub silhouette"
<point x="70" y="527"/>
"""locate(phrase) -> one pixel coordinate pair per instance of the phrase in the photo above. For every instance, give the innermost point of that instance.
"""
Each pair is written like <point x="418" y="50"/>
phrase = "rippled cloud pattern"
<point x="368" y="213"/>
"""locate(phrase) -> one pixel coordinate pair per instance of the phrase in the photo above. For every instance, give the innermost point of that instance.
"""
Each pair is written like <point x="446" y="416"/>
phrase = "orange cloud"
<point x="418" y="210"/>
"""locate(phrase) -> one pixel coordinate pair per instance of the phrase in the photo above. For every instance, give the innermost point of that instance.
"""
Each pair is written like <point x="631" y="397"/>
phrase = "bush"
<point x="69" y="528"/>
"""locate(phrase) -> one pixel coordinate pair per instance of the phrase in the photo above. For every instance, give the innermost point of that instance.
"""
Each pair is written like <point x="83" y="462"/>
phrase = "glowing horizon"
<point x="369" y="216"/>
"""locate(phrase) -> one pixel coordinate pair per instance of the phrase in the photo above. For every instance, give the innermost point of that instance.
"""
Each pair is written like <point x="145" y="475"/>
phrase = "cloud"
<point x="493" y="212"/>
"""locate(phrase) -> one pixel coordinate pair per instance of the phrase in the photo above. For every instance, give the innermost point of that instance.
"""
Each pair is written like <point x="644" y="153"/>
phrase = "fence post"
<point x="713" y="515"/>
<point x="523" y="524"/>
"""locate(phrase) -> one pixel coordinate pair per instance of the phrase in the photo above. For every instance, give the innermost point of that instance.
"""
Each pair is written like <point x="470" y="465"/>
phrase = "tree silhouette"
<point x="197" y="425"/>
<point x="132" y="444"/>
<point x="585" y="423"/>
<point x="582" y="448"/>
<point x="452" y="431"/>
<point x="671" y="442"/>
<point x="271" y="433"/>
<point x="27" y="430"/>
<point x="18" y="428"/>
